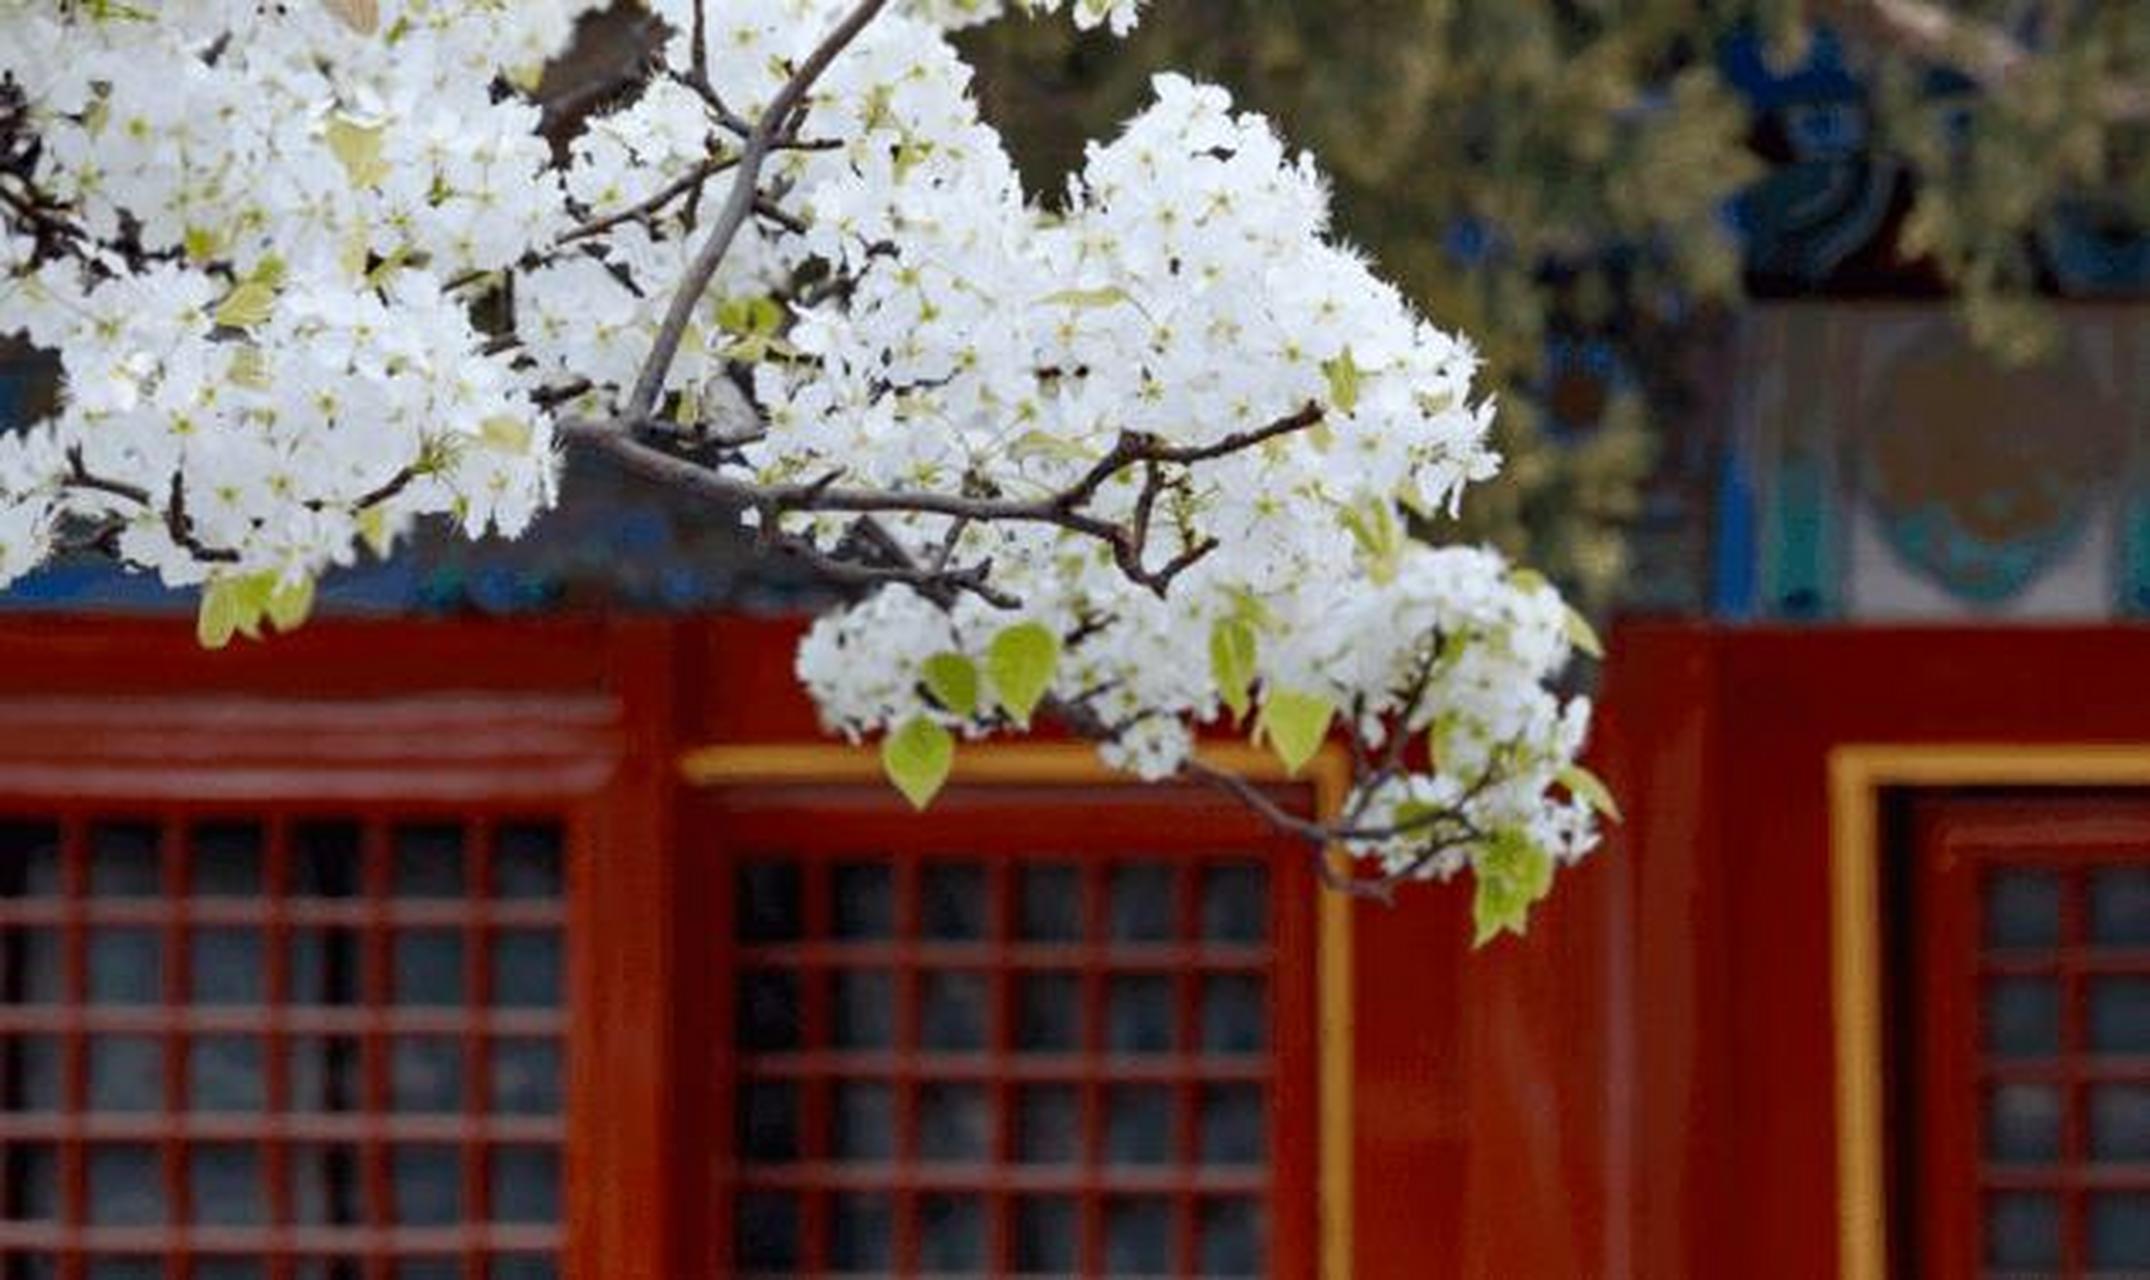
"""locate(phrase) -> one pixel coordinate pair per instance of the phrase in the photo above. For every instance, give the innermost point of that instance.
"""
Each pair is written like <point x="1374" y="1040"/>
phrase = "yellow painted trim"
<point x="1329" y="774"/>
<point x="1857" y="775"/>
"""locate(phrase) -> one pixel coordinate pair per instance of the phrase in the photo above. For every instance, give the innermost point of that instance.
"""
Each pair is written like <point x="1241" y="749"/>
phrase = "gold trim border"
<point x="1073" y="764"/>
<point x="1858" y="773"/>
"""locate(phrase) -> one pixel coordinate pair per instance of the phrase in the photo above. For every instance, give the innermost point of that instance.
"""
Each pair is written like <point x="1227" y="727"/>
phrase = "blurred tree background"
<point x="1590" y="188"/>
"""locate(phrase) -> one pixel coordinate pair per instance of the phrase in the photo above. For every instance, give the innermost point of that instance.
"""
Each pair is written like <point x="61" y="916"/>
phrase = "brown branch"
<point x="1981" y="50"/>
<point x="775" y="123"/>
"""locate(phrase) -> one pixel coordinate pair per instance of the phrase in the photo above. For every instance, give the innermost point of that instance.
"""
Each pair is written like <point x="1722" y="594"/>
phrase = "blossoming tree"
<point x="1139" y="457"/>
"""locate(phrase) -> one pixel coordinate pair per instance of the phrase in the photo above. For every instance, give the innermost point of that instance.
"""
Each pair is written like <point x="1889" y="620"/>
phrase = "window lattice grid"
<point x="1008" y="1064"/>
<point x="284" y="1046"/>
<point x="2063" y="1066"/>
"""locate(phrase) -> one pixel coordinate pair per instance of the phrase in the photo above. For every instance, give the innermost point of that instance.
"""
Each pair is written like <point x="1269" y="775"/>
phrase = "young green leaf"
<point x="1021" y="661"/>
<point x="1582" y="635"/>
<point x="917" y="758"/>
<point x="1510" y="875"/>
<point x="1591" y="790"/>
<point x="1105" y="297"/>
<point x="357" y="147"/>
<point x="1232" y="646"/>
<point x="952" y="679"/>
<point x="246" y="306"/>
<point x="1295" y="724"/>
<point x="291" y="603"/>
<point x="217" y="618"/>
<point x="1343" y="374"/>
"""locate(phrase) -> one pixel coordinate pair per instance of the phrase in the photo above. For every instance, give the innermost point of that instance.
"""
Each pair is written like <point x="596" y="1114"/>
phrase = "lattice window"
<point x="956" y="1063"/>
<point x="282" y="1045"/>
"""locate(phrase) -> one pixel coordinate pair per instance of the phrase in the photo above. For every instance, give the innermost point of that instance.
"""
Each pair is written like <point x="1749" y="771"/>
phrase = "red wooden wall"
<point x="1642" y="1088"/>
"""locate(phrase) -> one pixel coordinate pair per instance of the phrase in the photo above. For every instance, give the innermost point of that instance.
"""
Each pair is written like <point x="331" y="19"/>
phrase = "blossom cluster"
<point x="313" y="271"/>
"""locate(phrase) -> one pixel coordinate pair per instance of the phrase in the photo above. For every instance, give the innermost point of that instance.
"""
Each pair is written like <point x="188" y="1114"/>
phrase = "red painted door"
<point x="2026" y="1149"/>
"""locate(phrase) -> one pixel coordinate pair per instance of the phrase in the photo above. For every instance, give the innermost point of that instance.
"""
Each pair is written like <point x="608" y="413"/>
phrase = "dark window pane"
<point x="951" y="1234"/>
<point x="327" y="966"/>
<point x="327" y="1186"/>
<point x="952" y="1010"/>
<point x="769" y="906"/>
<point x="860" y="1229"/>
<point x="2120" y="906"/>
<point x="428" y="861"/>
<point x="427" y="1269"/>
<point x="952" y="901"/>
<point x="33" y="966"/>
<point x="30" y="1073"/>
<point x="29" y="1267"/>
<point x="1235" y="1016"/>
<point x="227" y="967"/>
<point x="126" y="1073"/>
<point x="126" y="966"/>
<point x="426" y="1184"/>
<point x="1139" y="1015"/>
<point x="125" y="861"/>
<point x="863" y="1122"/>
<point x="124" y="1269"/>
<point x="326" y="860"/>
<point x="425" y="1074"/>
<point x="325" y="1073"/>
<point x="1051" y="904"/>
<point x="126" y="1188"/>
<point x="863" y="1010"/>
<point x="529" y="861"/>
<point x="1138" y="1124"/>
<point x="229" y="1269"/>
<point x="1048" y="1016"/>
<point x="428" y="967"/>
<point x="30" y="1182"/>
<point x="1141" y="907"/>
<point x="30" y="860"/>
<point x="1235" y="1125"/>
<point x="1138" y="1237"/>
<point x="225" y="1186"/>
<point x="528" y="1267"/>
<point x="528" y="969"/>
<point x="768" y="1010"/>
<point x="955" y="1123"/>
<point x="1048" y="1236"/>
<point x="327" y="1269"/>
<point x="1232" y="1238"/>
<point x="2022" y="1017"/>
<point x="2120" y="1122"/>
<point x="526" y="1077"/>
<point x="1048" y="1124"/>
<point x="767" y="1225"/>
<point x="768" y="1120"/>
<point x="2120" y="1231"/>
<point x="226" y="860"/>
<point x="2022" y="1230"/>
<point x="2023" y="1123"/>
<point x="227" y="1073"/>
<point x="1235" y="903"/>
<point x="2120" y="1015"/>
<point x="526" y="1184"/>
<point x="2022" y="909"/>
<point x="864" y="905"/>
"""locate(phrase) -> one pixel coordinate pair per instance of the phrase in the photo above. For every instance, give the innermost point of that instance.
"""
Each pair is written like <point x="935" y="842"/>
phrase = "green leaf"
<point x="1295" y="724"/>
<point x="1380" y="537"/>
<point x="373" y="527"/>
<point x="952" y="679"/>
<point x="218" y="616"/>
<point x="1511" y="874"/>
<point x="291" y="603"/>
<point x="358" y="148"/>
<point x="1343" y="373"/>
<point x="246" y="306"/>
<point x="1582" y="635"/>
<point x="1109" y="296"/>
<point x="1591" y="790"/>
<point x="505" y="434"/>
<point x="1021" y="661"/>
<point x="917" y="758"/>
<point x="1232" y="646"/>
